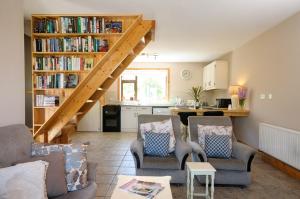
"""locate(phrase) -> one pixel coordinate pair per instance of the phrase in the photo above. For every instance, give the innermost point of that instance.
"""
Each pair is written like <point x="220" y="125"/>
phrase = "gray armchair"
<point x="173" y="165"/>
<point x="233" y="171"/>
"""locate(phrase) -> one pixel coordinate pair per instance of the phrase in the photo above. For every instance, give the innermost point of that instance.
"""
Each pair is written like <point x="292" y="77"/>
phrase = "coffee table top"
<point x="122" y="179"/>
<point x="200" y="166"/>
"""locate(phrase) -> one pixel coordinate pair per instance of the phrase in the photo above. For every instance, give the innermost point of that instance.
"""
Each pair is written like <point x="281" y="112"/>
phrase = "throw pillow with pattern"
<point x="204" y="130"/>
<point x="160" y="127"/>
<point x="157" y="144"/>
<point x="217" y="146"/>
<point x="75" y="162"/>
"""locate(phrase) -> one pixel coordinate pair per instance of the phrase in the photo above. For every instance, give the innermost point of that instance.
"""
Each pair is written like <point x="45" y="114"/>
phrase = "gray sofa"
<point x="173" y="165"/>
<point x="15" y="146"/>
<point x="233" y="171"/>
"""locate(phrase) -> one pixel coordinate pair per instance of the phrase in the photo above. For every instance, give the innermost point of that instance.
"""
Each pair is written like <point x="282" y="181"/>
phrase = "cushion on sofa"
<point x="157" y="144"/>
<point x="204" y="130"/>
<point x="228" y="164"/>
<point x="217" y="146"/>
<point x="23" y="181"/>
<point x="169" y="162"/>
<point x="75" y="162"/>
<point x="164" y="126"/>
<point x="55" y="180"/>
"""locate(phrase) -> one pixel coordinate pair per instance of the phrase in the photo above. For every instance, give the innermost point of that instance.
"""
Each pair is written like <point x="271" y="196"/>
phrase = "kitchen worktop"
<point x="232" y="113"/>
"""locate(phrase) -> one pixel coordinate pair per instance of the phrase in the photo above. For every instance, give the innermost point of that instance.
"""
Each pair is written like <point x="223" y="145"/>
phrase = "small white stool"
<point x="200" y="168"/>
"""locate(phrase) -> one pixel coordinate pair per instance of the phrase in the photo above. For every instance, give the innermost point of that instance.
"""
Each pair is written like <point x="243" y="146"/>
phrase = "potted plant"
<point x="196" y="93"/>
<point x="242" y="95"/>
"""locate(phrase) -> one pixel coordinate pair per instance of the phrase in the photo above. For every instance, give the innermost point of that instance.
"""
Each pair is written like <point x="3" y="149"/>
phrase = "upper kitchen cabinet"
<point x="215" y="75"/>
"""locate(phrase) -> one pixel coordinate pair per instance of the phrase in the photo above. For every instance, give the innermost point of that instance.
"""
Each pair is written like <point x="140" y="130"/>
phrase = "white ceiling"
<point x="187" y="30"/>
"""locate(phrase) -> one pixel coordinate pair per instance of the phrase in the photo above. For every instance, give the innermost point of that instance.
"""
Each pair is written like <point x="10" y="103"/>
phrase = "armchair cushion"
<point x="169" y="162"/>
<point x="55" y="180"/>
<point x="137" y="150"/>
<point x="164" y="126"/>
<point x="182" y="151"/>
<point x="157" y="144"/>
<point x="217" y="146"/>
<point x="228" y="164"/>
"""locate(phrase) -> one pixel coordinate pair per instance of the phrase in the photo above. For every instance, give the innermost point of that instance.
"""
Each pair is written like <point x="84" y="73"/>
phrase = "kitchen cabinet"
<point x="161" y="111"/>
<point x="215" y="75"/>
<point x="129" y="117"/>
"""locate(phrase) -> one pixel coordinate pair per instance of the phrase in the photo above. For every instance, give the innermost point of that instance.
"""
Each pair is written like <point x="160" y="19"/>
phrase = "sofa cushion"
<point x="164" y="126"/>
<point x="55" y="180"/>
<point x="228" y="164"/>
<point x="75" y="162"/>
<point x="15" y="144"/>
<point x="157" y="144"/>
<point x="22" y="181"/>
<point x="217" y="146"/>
<point x="169" y="162"/>
<point x="204" y="130"/>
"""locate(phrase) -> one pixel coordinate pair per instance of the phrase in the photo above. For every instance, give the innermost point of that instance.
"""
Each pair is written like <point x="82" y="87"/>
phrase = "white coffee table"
<point x="200" y="168"/>
<point x="122" y="179"/>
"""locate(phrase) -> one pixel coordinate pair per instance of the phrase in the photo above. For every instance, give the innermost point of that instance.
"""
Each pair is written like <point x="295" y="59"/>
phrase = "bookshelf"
<point x="65" y="48"/>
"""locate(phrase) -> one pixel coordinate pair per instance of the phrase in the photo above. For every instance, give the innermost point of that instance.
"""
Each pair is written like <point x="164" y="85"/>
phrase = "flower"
<point x="242" y="93"/>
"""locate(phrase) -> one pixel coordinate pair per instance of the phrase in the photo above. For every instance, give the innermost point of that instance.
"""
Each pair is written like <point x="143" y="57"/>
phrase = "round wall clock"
<point x="186" y="74"/>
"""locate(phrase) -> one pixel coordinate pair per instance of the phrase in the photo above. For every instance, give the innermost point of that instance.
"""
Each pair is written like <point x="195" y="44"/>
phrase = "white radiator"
<point x="281" y="143"/>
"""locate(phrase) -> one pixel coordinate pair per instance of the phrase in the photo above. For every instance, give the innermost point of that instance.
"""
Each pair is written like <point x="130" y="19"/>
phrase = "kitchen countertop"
<point x="232" y="113"/>
<point x="150" y="105"/>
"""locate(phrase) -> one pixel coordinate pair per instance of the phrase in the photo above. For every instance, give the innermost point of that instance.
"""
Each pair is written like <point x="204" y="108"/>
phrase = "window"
<point x="144" y="85"/>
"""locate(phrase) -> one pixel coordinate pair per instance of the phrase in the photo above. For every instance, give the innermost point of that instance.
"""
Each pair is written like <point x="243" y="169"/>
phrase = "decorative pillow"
<point x="75" y="165"/>
<point x="217" y="146"/>
<point x="204" y="130"/>
<point x="160" y="127"/>
<point x="55" y="181"/>
<point x="157" y="144"/>
<point x="24" y="181"/>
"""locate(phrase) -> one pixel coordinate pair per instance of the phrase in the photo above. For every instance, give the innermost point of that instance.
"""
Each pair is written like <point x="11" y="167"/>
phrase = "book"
<point x="143" y="188"/>
<point x="46" y="100"/>
<point x="71" y="81"/>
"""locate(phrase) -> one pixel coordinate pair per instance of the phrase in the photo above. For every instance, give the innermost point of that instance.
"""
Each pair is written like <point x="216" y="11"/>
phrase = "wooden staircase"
<point x="99" y="79"/>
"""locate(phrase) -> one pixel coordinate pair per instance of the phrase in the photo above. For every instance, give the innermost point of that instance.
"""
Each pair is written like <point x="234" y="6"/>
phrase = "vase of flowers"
<point x="242" y="95"/>
<point x="196" y="92"/>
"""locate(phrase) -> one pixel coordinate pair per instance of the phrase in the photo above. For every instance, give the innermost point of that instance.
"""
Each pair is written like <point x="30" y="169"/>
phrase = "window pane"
<point x="128" y="91"/>
<point x="152" y="85"/>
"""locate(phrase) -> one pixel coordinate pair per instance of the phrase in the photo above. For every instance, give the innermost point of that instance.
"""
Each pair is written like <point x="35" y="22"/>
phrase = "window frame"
<point x="167" y="82"/>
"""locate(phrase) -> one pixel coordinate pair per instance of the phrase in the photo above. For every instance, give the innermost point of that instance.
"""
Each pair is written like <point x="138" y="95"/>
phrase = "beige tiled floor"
<point x="111" y="152"/>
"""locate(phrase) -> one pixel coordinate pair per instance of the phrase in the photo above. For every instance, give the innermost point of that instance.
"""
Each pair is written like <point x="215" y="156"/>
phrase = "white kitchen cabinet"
<point x="215" y="75"/>
<point x="92" y="120"/>
<point x="161" y="111"/>
<point x="129" y="117"/>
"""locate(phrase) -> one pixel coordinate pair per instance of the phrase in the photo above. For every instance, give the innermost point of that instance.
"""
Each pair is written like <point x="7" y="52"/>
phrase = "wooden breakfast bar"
<point x="231" y="113"/>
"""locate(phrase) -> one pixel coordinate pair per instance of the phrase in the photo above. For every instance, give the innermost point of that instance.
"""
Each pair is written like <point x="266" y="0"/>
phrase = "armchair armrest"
<point x="182" y="151"/>
<point x="92" y="170"/>
<point x="198" y="151"/>
<point x="244" y="153"/>
<point x="137" y="150"/>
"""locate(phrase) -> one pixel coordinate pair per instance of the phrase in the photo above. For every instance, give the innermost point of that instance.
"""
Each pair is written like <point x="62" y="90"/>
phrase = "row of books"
<point x="89" y="25"/>
<point x="63" y="63"/>
<point x="70" y="44"/>
<point x="58" y="80"/>
<point x="46" y="25"/>
<point x="77" y="25"/>
<point x="46" y="100"/>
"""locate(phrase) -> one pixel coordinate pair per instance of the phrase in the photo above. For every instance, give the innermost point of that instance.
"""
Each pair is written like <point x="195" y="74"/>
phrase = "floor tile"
<point x="104" y="179"/>
<point x="107" y="170"/>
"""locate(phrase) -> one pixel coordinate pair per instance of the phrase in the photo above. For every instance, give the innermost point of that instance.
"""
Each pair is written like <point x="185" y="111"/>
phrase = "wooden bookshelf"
<point x="65" y="27"/>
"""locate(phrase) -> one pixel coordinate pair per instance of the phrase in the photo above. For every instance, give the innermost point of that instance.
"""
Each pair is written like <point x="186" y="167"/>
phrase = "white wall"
<point x="12" y="83"/>
<point x="178" y="86"/>
<point x="269" y="64"/>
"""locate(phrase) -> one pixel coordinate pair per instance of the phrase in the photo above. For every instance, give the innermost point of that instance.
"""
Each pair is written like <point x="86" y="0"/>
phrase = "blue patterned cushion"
<point x="157" y="144"/>
<point x="217" y="146"/>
